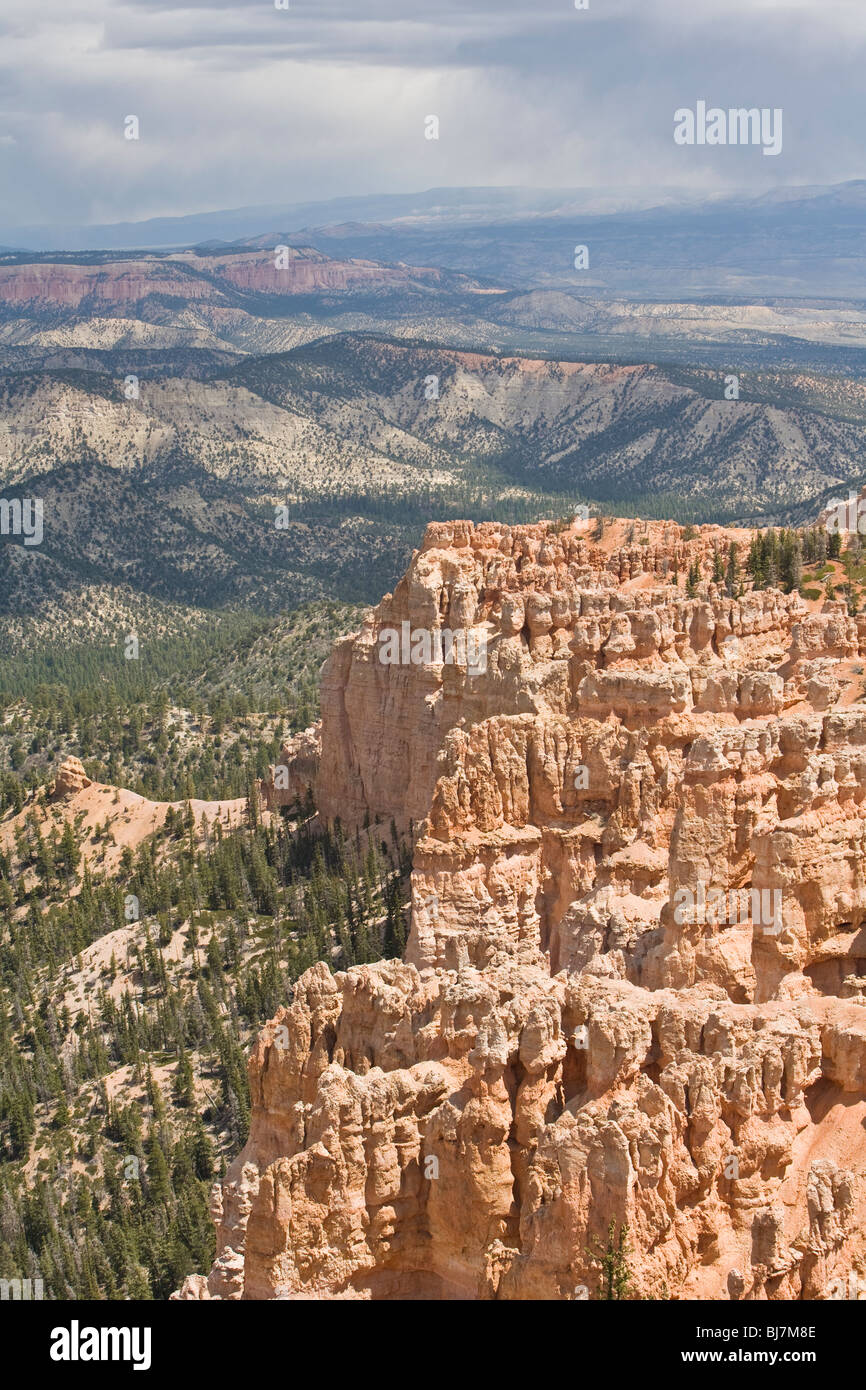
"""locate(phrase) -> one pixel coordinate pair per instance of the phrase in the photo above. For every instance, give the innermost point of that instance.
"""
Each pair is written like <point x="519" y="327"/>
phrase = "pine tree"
<point x="732" y="571"/>
<point x="69" y="853"/>
<point x="184" y="1082"/>
<point x="612" y="1259"/>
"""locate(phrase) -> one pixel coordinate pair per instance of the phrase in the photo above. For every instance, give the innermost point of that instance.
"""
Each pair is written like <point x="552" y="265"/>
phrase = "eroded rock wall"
<point x="634" y="984"/>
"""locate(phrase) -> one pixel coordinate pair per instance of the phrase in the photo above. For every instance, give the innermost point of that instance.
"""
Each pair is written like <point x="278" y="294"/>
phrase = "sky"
<point x="244" y="104"/>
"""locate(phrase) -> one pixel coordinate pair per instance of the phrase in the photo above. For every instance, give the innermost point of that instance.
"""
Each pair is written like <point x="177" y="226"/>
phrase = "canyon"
<point x="561" y="1052"/>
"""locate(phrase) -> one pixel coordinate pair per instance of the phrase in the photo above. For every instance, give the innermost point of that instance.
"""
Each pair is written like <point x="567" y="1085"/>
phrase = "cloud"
<point x="241" y="103"/>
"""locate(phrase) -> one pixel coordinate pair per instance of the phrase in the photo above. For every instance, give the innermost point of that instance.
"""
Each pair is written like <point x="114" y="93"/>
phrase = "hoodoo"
<point x="562" y="1048"/>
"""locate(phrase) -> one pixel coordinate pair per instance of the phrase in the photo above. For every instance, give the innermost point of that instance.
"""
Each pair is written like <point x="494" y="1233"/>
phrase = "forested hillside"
<point x="127" y="999"/>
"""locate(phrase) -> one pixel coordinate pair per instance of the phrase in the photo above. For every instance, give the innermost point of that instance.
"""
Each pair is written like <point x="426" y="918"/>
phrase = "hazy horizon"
<point x="428" y="207"/>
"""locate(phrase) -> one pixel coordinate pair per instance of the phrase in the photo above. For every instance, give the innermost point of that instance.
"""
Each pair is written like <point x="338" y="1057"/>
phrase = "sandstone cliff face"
<point x="121" y="283"/>
<point x="291" y="780"/>
<point x="635" y="981"/>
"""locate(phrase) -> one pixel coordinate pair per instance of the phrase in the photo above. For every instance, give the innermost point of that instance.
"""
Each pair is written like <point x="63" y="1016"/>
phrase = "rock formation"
<point x="635" y="981"/>
<point x="292" y="779"/>
<point x="71" y="778"/>
<point x="118" y="284"/>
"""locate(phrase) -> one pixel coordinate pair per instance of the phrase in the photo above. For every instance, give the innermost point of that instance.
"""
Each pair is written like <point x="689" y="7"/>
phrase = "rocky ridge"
<point x="116" y="284"/>
<point x="597" y="1019"/>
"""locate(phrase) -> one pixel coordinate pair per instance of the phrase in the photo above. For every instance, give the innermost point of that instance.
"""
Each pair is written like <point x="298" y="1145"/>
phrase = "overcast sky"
<point x="242" y="103"/>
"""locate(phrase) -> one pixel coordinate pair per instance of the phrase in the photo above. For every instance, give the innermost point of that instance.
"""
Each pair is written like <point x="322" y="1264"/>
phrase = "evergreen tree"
<point x="612" y="1259"/>
<point x="732" y="571"/>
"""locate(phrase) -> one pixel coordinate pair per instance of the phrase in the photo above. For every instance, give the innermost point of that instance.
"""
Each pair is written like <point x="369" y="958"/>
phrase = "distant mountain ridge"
<point x="277" y="270"/>
<point x="238" y="223"/>
<point x="356" y="440"/>
<point x="791" y="240"/>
